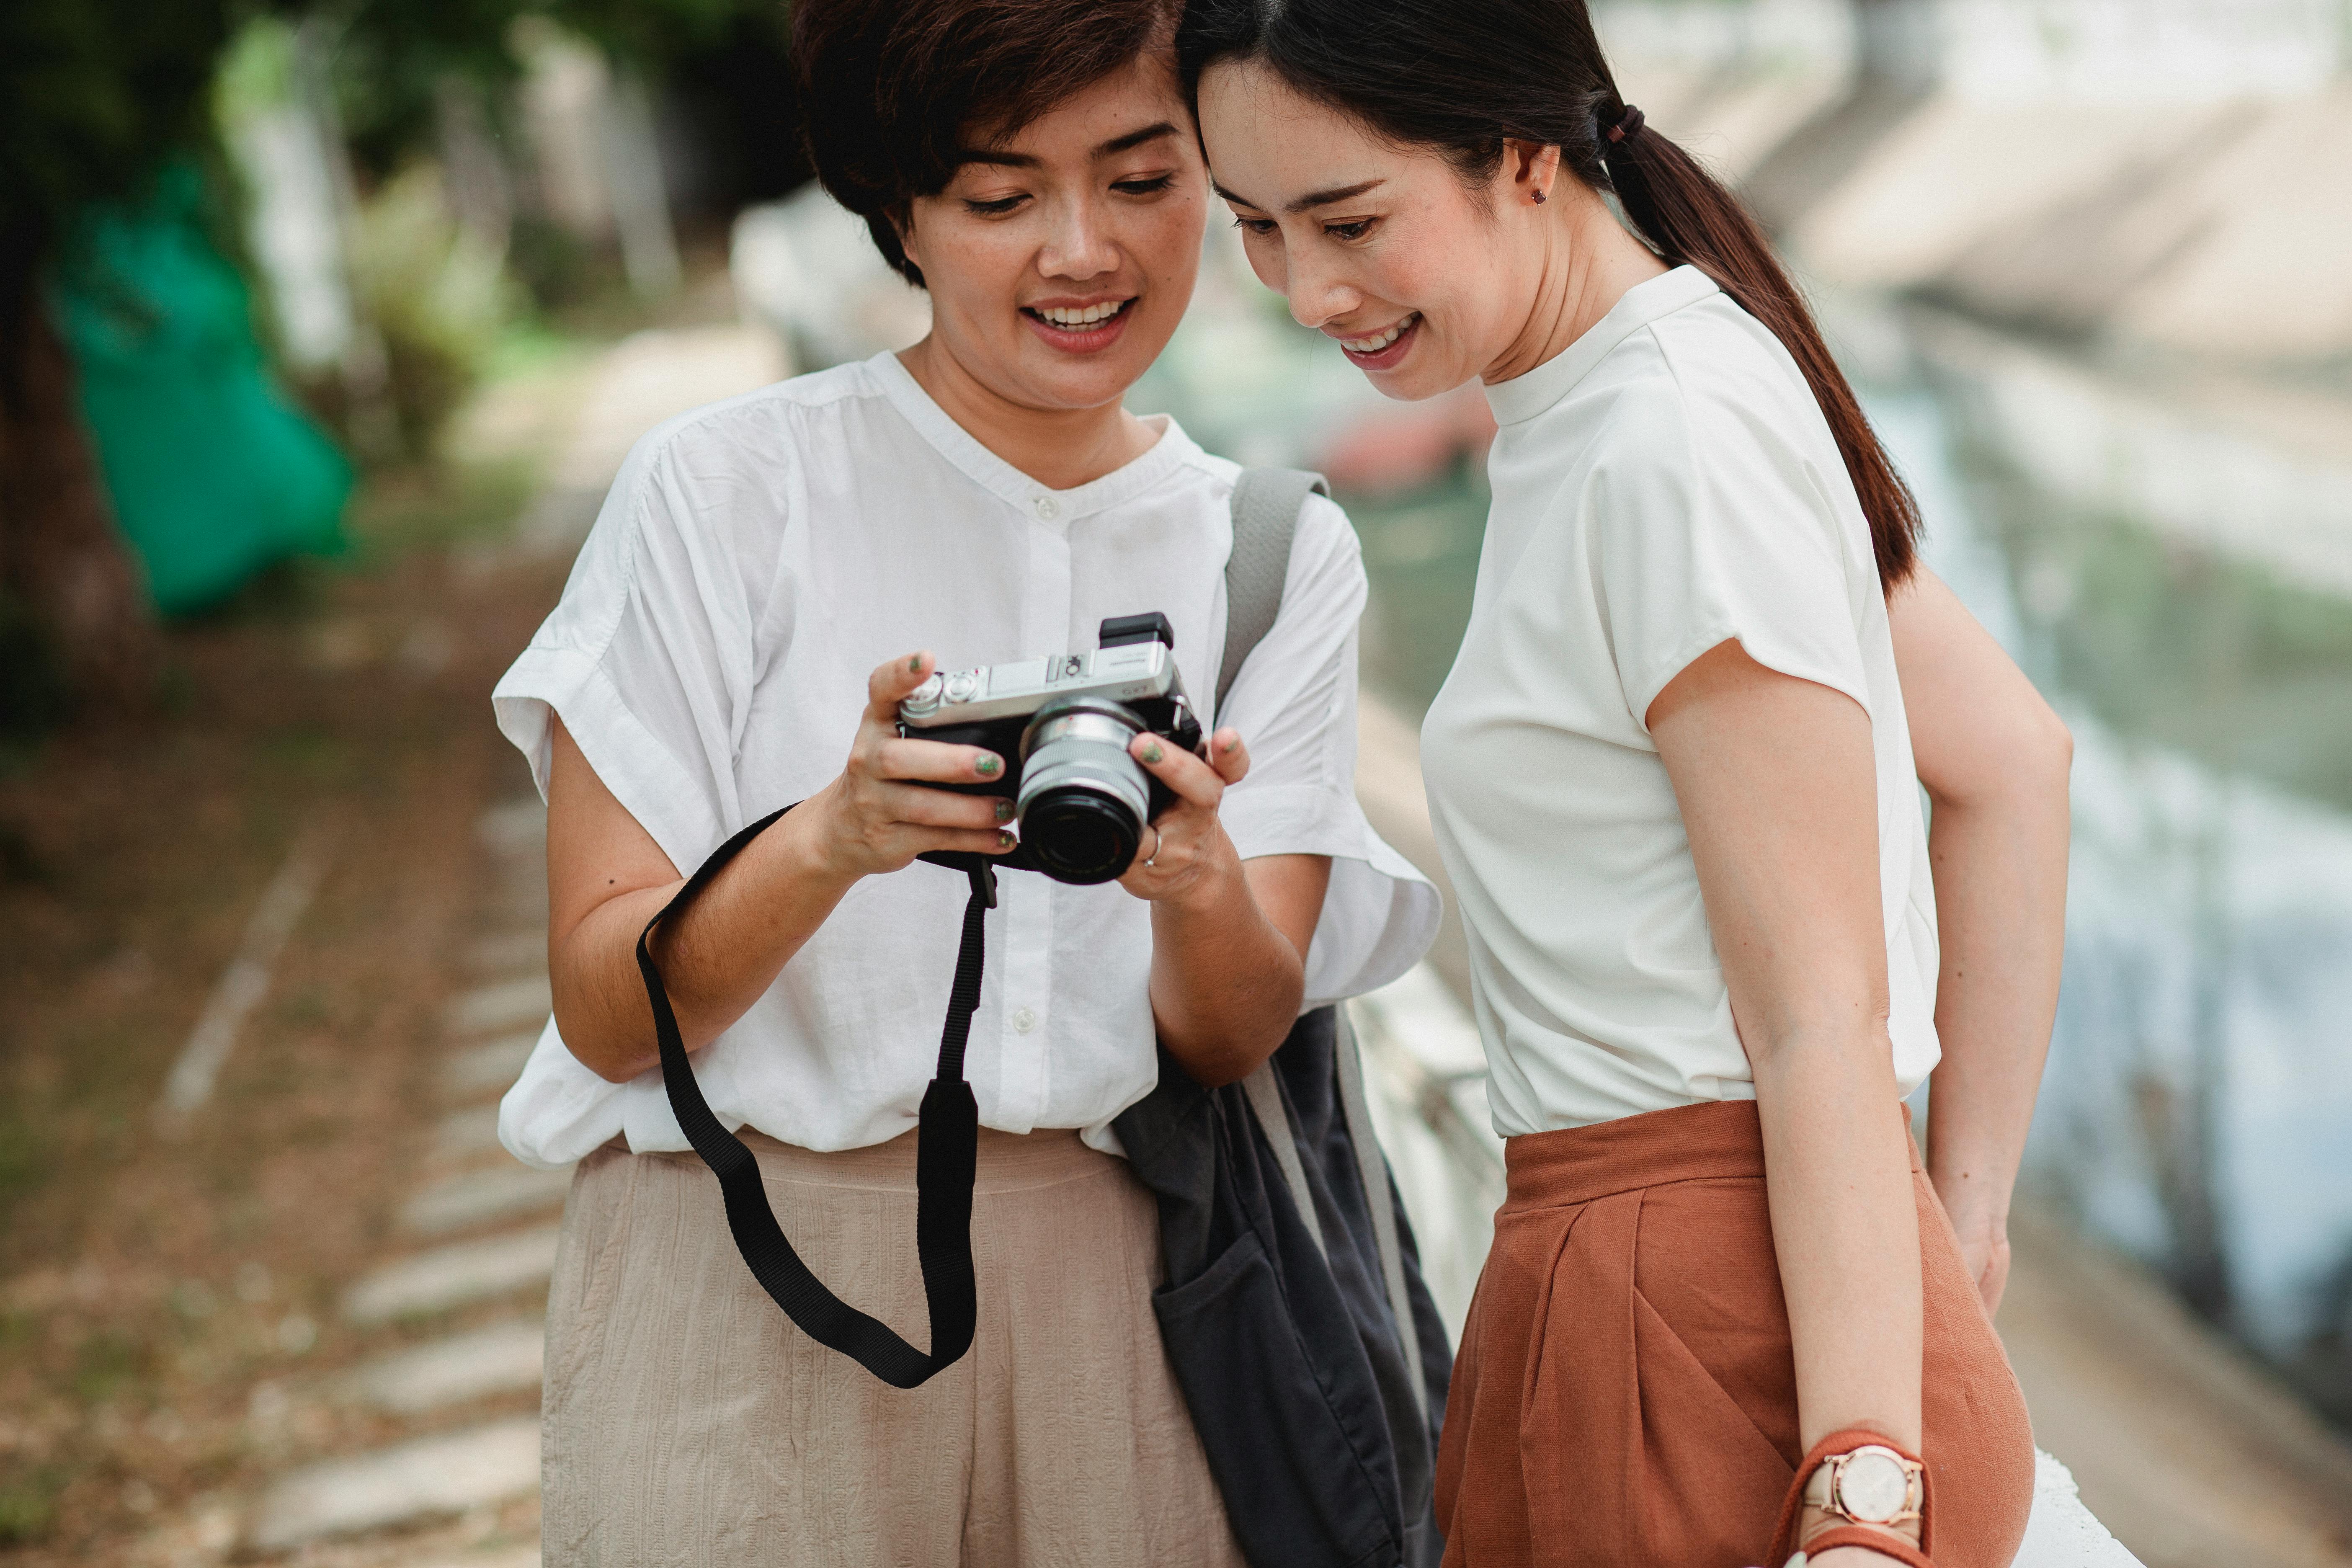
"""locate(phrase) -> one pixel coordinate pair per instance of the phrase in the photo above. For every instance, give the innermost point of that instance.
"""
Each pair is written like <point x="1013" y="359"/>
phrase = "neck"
<point x="1589" y="263"/>
<point x="1061" y="448"/>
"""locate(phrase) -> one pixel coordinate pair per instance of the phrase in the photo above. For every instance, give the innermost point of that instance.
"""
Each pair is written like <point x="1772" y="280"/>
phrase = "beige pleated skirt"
<point x="687" y="1422"/>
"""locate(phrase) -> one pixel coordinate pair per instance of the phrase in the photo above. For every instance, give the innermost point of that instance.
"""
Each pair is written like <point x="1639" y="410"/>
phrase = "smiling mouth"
<point x="1079" y="318"/>
<point x="1380" y="340"/>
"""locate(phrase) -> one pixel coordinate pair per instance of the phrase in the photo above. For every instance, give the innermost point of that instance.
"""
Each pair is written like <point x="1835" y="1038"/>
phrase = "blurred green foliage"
<point x="93" y="95"/>
<point x="391" y="59"/>
<point x="439" y="298"/>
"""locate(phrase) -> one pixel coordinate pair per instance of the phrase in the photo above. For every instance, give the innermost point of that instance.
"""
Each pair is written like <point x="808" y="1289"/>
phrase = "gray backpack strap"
<point x="1273" y="1118"/>
<point x="1266" y="503"/>
<point x="1267" y="1108"/>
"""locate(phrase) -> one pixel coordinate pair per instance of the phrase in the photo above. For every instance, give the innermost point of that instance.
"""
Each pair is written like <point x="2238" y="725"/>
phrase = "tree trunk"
<point x="61" y="559"/>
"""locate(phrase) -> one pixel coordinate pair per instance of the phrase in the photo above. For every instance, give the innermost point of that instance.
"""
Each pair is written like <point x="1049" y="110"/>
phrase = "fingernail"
<point x="1005" y="841"/>
<point x="1151" y="753"/>
<point x="1231" y="744"/>
<point x="1003" y="810"/>
<point x="915" y="664"/>
<point x="988" y="766"/>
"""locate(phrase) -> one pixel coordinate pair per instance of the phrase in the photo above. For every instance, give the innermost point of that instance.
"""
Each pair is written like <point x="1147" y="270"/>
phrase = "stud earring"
<point x="1539" y="198"/>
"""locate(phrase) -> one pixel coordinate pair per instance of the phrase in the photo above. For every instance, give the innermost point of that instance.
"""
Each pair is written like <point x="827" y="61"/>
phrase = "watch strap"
<point x="1793" y="1508"/>
<point x="1862" y="1535"/>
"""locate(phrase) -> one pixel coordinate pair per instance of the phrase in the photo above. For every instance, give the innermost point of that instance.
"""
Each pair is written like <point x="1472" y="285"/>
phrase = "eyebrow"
<point x="1110" y="149"/>
<point x="1311" y="199"/>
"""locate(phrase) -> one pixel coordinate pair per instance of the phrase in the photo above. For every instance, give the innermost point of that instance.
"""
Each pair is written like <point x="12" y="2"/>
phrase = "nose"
<point x="1315" y="286"/>
<point x="1077" y="244"/>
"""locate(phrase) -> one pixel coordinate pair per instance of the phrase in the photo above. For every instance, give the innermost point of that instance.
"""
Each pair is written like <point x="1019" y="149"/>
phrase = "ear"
<point x="901" y="219"/>
<point x="1530" y="167"/>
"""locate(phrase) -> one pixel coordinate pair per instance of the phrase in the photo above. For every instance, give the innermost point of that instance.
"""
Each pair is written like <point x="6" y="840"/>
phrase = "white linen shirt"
<point x="753" y="563"/>
<point x="1664" y="484"/>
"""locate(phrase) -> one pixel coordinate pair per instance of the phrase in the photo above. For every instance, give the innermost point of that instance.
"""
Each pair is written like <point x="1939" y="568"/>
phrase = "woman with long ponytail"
<point x="1731" y="1313"/>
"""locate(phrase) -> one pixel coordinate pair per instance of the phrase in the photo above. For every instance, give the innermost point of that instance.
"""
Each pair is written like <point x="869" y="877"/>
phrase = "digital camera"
<point x="1063" y="724"/>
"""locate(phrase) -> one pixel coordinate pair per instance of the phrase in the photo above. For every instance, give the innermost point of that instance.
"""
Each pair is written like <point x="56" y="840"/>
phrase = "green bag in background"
<point x="214" y="474"/>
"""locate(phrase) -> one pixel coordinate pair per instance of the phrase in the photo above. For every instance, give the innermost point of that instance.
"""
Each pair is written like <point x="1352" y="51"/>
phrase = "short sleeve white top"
<point x="752" y="565"/>
<point x="1664" y="485"/>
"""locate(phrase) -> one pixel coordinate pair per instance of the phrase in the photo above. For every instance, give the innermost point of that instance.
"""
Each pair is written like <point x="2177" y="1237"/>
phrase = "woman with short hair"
<point x="737" y="636"/>
<point x="1675" y="776"/>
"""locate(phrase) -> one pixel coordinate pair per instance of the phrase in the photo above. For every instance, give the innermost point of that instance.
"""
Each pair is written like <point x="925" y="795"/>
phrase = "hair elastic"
<point x="1627" y="123"/>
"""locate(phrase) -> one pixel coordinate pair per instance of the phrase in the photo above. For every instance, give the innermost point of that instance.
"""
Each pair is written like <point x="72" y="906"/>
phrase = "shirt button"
<point x="1048" y="508"/>
<point x="1024" y="1021"/>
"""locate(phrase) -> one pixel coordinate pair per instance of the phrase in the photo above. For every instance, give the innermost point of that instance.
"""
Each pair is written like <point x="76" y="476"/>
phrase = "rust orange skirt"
<point x="1625" y="1393"/>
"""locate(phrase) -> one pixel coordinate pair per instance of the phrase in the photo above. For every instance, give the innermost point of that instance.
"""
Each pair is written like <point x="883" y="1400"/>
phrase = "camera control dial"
<point x="923" y="699"/>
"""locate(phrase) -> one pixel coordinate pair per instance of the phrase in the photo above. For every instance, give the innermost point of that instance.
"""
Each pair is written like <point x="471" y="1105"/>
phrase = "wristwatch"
<point x="1869" y="1485"/>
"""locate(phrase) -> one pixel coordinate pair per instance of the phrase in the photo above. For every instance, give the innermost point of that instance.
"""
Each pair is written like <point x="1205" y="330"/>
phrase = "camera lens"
<point x="1083" y="801"/>
<point x="1077" y="836"/>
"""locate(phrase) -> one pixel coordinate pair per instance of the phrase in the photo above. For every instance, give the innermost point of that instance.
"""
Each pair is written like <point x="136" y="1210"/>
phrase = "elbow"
<point x="611" y="1069"/>
<point x="1854" y="1044"/>
<point x="2053" y="749"/>
<point x="1221" y="1054"/>
<point x="1228" y="1057"/>
<point x="1222" y="1033"/>
<point x="614" y="1060"/>
<point x="2026" y="771"/>
<point x="610" y="1065"/>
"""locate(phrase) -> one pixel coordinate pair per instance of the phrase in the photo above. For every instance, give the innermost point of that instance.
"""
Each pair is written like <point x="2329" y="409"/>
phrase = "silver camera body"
<point x="1063" y="724"/>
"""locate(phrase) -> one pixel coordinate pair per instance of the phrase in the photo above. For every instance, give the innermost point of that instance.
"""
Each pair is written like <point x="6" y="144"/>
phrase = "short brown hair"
<point x="896" y="90"/>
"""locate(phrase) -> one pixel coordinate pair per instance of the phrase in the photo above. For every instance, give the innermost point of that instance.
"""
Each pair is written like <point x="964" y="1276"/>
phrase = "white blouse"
<point x="1664" y="484"/>
<point x="753" y="563"/>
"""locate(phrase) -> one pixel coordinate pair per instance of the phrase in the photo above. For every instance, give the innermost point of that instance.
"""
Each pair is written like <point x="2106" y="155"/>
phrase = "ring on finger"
<point x="1152" y="859"/>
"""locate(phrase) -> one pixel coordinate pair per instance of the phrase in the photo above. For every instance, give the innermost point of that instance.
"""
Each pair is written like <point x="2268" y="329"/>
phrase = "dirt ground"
<point x="158" y="1290"/>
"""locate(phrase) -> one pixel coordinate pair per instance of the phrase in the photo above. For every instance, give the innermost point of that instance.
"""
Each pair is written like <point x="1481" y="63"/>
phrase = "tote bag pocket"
<point x="1297" y="1489"/>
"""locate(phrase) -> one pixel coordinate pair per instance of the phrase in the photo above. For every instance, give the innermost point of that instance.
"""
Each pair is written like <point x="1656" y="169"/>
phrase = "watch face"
<point x="1872" y="1486"/>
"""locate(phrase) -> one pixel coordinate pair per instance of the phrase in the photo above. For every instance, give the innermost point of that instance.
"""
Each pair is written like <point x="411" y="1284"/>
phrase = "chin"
<point x="1411" y="383"/>
<point x="1080" y="386"/>
<point x="1088" y="381"/>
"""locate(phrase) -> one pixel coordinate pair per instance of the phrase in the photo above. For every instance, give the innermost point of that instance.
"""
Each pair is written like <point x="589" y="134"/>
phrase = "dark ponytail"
<point x="1468" y="75"/>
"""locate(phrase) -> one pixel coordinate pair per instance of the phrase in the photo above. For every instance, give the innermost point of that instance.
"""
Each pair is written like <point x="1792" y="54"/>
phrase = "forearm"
<point x="1846" y="1229"/>
<point x="1225" y="982"/>
<point x="716" y="958"/>
<point x="2001" y="901"/>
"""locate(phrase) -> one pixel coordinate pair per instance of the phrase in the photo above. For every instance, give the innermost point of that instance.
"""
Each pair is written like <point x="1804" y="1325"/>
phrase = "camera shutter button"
<point x="962" y="685"/>
<point x="1024" y="1020"/>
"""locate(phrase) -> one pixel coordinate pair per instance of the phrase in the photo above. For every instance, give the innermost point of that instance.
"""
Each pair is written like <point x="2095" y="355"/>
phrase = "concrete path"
<point x="468" y="1187"/>
<point x="476" y="1233"/>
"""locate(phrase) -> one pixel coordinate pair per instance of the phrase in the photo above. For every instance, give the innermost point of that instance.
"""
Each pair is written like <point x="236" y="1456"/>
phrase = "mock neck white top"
<point x="753" y="563"/>
<point x="1664" y="484"/>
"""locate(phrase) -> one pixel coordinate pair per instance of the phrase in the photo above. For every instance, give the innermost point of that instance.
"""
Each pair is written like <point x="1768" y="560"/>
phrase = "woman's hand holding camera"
<point x="885" y="808"/>
<point x="1185" y="854"/>
<point x="1229" y="939"/>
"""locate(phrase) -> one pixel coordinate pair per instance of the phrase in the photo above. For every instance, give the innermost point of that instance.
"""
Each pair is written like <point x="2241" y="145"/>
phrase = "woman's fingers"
<point x="1229" y="756"/>
<point x="890" y="683"/>
<point x="935" y="761"/>
<point x="994" y="842"/>
<point x="1194" y="781"/>
<point x="922" y="806"/>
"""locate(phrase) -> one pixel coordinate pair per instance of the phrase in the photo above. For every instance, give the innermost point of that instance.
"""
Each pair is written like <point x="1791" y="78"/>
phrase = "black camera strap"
<point x="1265" y="506"/>
<point x="947" y="1154"/>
